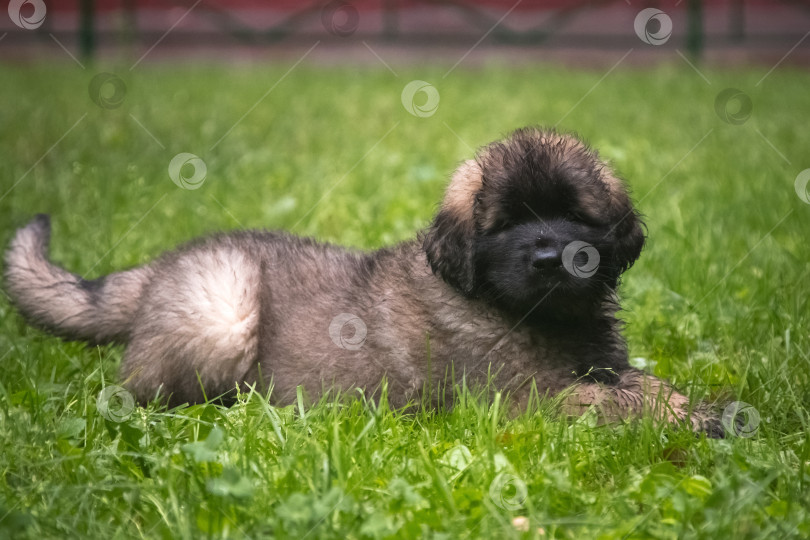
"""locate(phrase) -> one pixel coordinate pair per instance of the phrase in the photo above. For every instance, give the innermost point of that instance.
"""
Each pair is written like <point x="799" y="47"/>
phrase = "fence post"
<point x="87" y="36"/>
<point x="694" y="28"/>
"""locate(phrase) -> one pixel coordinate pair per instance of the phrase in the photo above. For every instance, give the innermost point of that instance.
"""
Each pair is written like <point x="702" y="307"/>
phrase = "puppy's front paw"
<point x="713" y="427"/>
<point x="706" y="420"/>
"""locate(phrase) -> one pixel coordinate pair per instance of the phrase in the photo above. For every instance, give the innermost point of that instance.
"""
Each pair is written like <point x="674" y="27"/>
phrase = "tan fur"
<point x="464" y="184"/>
<point x="214" y="313"/>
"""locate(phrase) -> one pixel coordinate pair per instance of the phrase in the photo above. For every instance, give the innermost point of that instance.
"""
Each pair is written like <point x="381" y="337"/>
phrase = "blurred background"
<point x="724" y="31"/>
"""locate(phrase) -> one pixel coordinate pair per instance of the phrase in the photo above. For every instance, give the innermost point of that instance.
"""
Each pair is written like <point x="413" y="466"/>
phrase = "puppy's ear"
<point x="627" y="234"/>
<point x="450" y="241"/>
<point x="630" y="239"/>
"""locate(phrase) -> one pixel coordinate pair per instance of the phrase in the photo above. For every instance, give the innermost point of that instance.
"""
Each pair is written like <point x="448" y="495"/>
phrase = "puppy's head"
<point x="536" y="219"/>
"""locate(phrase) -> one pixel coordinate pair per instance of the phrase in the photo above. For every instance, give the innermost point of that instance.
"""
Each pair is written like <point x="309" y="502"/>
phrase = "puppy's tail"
<point x="98" y="311"/>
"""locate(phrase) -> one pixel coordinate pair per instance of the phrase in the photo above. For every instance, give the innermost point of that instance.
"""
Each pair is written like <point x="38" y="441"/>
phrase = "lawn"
<point x="718" y="303"/>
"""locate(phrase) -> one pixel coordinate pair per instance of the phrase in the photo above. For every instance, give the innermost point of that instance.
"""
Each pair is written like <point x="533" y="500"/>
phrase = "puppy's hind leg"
<point x="637" y="394"/>
<point x="196" y="335"/>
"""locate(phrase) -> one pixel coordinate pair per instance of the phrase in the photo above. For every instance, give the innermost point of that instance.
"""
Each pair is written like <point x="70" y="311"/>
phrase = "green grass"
<point x="718" y="303"/>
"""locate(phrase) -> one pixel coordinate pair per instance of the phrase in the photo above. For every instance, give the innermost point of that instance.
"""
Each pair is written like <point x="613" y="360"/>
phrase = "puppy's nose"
<point x="546" y="257"/>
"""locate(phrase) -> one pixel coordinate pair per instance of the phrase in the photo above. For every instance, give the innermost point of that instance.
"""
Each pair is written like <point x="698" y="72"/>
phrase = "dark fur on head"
<point x="536" y="190"/>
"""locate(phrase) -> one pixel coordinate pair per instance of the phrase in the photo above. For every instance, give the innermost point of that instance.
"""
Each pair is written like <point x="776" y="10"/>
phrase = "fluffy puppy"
<point x="514" y="280"/>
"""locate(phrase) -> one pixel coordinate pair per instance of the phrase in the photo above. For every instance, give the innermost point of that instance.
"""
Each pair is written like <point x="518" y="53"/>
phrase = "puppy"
<point x="514" y="282"/>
